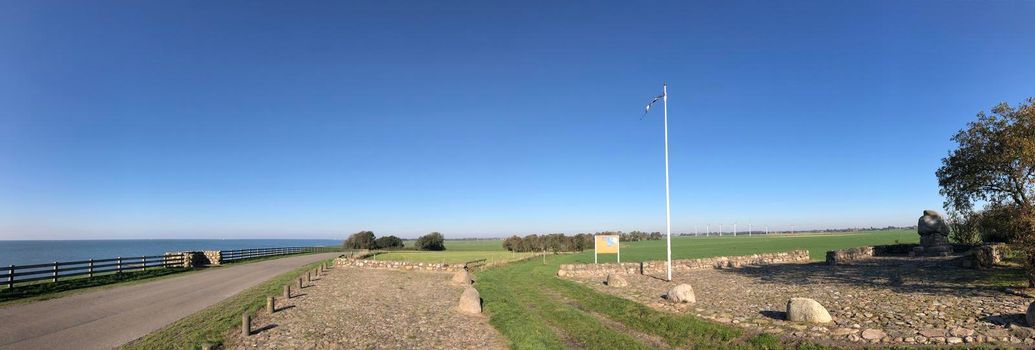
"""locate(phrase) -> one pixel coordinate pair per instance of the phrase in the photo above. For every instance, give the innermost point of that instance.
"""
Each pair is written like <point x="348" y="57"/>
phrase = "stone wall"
<point x="983" y="256"/>
<point x="842" y="256"/>
<point x="656" y="267"/>
<point x="213" y="257"/>
<point x="397" y="265"/>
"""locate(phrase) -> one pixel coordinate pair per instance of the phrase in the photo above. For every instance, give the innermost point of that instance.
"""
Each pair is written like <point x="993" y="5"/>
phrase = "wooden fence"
<point x="241" y="254"/>
<point x="89" y="268"/>
<point x="52" y="272"/>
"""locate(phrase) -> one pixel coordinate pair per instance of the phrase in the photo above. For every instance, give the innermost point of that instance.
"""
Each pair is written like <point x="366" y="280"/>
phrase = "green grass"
<point x="451" y="257"/>
<point x="701" y="247"/>
<point x="467" y="245"/>
<point x="534" y="309"/>
<point x="209" y="325"/>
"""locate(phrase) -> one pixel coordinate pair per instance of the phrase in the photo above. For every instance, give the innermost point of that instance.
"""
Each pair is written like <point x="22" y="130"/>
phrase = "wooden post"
<point x="287" y="291"/>
<point x="246" y="324"/>
<point x="118" y="266"/>
<point x="10" y="277"/>
<point x="206" y="346"/>
<point x="143" y="263"/>
<point x="308" y="276"/>
<point x="270" y="305"/>
<point x="300" y="283"/>
<point x="55" y="279"/>
<point x="91" y="267"/>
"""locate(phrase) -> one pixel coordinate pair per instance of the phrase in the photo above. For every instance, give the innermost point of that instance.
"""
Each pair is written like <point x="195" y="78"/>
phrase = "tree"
<point x="388" y="242"/>
<point x="994" y="165"/>
<point x="431" y="241"/>
<point x="360" y="240"/>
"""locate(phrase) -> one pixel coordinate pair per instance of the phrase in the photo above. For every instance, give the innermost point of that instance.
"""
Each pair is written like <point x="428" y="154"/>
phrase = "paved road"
<point x="104" y="319"/>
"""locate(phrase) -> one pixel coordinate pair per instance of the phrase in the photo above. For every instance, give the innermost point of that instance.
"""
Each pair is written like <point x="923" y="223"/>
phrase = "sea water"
<point x="39" y="252"/>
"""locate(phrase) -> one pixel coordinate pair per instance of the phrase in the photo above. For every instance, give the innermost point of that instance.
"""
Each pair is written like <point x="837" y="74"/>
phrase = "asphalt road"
<point x="108" y="318"/>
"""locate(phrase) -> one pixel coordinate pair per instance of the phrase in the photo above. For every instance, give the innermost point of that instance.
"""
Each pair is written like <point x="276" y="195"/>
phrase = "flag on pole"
<point x="668" y="212"/>
<point x="651" y="103"/>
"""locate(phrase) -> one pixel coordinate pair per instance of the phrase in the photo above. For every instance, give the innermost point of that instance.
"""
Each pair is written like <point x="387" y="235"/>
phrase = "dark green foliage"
<point x="431" y="241"/>
<point x="556" y="242"/>
<point x="388" y="242"/>
<point x="360" y="240"/>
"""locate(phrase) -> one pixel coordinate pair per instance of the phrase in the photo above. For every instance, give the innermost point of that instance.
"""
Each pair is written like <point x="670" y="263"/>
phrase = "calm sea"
<point x="38" y="252"/>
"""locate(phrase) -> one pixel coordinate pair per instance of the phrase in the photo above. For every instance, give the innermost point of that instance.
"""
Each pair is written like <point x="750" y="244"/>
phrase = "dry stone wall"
<point x="655" y="267"/>
<point x="397" y="265"/>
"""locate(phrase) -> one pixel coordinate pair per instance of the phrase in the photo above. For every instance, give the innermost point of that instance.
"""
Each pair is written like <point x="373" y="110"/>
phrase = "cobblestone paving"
<point x="878" y="301"/>
<point x="354" y="308"/>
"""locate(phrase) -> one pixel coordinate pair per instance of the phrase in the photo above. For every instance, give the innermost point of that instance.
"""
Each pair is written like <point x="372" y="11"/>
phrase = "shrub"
<point x="360" y="240"/>
<point x="431" y="241"/>
<point x="388" y="242"/>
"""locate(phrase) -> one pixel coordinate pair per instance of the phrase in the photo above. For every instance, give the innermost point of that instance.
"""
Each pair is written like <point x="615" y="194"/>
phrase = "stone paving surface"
<point x="354" y="308"/>
<point x="883" y="301"/>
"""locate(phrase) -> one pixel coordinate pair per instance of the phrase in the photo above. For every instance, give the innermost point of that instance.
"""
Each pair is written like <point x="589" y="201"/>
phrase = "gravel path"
<point x="109" y="317"/>
<point x="355" y="308"/>
<point x="882" y="300"/>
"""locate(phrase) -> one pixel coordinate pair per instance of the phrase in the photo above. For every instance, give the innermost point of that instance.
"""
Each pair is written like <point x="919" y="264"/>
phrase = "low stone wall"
<point x="655" y="267"/>
<point x="982" y="256"/>
<point x="842" y="256"/>
<point x="397" y="265"/>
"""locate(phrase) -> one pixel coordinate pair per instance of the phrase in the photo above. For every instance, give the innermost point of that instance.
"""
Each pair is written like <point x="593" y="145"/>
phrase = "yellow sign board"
<point x="607" y="244"/>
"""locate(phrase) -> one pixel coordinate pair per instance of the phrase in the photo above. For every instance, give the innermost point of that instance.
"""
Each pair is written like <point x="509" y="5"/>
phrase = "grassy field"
<point x="451" y="257"/>
<point x="699" y="247"/>
<point x="468" y="245"/>
<point x="534" y="309"/>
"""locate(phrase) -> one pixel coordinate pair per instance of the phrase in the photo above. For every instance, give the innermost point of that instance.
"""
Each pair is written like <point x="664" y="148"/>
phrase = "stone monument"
<point x="934" y="235"/>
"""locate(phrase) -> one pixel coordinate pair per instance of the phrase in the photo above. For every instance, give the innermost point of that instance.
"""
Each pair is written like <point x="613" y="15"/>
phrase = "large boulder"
<point x="616" y="280"/>
<point x="807" y="310"/>
<point x="934" y="234"/>
<point x="682" y="293"/>
<point x="463" y="277"/>
<point x="470" y="301"/>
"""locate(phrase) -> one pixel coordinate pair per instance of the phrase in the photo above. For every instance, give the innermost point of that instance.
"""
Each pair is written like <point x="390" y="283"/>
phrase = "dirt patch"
<point x="353" y="308"/>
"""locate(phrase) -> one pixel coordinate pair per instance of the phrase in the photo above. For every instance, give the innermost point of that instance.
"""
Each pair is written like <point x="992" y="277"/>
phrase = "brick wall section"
<point x="397" y="265"/>
<point x="655" y="267"/>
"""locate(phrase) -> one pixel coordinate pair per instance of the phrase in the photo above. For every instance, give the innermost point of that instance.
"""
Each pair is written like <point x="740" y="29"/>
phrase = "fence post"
<point x="55" y="272"/>
<point x="287" y="291"/>
<point x="143" y="263"/>
<point x="271" y="305"/>
<point x="91" y="268"/>
<point x="118" y="265"/>
<point x="10" y="277"/>
<point x="246" y="324"/>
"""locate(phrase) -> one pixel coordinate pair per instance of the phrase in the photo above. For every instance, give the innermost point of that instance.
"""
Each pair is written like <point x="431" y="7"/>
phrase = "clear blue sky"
<point x="258" y="119"/>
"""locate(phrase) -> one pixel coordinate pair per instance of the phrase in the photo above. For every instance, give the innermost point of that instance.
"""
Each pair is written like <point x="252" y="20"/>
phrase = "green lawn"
<point x="534" y="309"/>
<point x="449" y="256"/>
<point x="699" y="247"/>
<point x="467" y="244"/>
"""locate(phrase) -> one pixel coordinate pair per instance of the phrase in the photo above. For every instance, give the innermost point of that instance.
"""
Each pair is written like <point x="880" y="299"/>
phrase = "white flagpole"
<point x="668" y="212"/>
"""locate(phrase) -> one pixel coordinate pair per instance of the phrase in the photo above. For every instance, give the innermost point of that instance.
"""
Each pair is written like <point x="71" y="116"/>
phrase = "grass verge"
<point x="534" y="309"/>
<point x="209" y="325"/>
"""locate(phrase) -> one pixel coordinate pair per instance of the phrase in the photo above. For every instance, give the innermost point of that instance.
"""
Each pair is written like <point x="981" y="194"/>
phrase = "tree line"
<point x="367" y="240"/>
<point x="559" y="242"/>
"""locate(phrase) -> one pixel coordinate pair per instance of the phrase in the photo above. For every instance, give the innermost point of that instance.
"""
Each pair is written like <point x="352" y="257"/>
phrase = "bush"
<point x="360" y="240"/>
<point x="388" y="242"/>
<point x="431" y="241"/>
